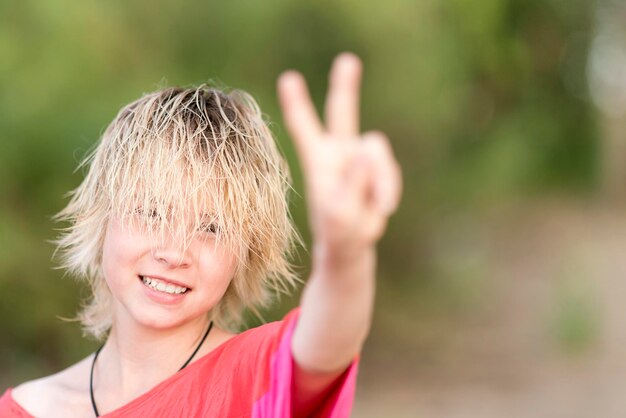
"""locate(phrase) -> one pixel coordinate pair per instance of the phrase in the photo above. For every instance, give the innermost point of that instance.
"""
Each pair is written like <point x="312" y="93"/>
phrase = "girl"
<point x="182" y="222"/>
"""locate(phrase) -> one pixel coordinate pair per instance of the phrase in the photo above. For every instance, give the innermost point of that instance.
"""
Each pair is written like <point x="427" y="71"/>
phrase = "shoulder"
<point x="263" y="331"/>
<point x="250" y="347"/>
<point x="267" y="335"/>
<point x="62" y="394"/>
<point x="262" y="343"/>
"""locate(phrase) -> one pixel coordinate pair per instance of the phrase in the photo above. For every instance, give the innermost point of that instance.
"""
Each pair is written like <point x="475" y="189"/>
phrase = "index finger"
<point x="298" y="110"/>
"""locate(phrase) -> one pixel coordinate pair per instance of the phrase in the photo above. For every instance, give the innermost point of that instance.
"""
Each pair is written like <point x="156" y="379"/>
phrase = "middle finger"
<point x="342" y="100"/>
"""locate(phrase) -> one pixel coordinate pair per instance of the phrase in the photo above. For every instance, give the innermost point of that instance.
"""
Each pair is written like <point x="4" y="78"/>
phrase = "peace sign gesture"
<point x="352" y="180"/>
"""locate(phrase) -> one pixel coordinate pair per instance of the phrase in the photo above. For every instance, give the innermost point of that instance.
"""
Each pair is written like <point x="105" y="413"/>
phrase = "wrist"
<point x="333" y="261"/>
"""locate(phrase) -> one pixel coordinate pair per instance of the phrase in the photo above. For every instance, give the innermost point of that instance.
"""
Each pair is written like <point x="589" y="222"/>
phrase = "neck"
<point x="136" y="358"/>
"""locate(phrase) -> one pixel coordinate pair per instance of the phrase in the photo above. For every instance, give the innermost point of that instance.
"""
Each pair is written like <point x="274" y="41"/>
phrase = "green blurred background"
<point x="490" y="108"/>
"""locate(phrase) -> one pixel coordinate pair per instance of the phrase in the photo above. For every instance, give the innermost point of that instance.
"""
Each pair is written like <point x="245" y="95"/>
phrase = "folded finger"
<point x="387" y="177"/>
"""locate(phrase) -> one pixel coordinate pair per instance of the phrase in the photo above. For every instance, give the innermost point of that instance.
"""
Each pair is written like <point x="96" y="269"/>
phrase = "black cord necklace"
<point x="95" y="357"/>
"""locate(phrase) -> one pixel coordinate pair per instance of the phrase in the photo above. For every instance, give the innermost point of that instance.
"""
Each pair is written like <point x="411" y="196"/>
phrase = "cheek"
<point x="118" y="252"/>
<point x="217" y="267"/>
<point x="111" y="262"/>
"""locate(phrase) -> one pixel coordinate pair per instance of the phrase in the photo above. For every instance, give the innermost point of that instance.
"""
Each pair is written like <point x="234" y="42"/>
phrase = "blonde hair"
<point x="179" y="152"/>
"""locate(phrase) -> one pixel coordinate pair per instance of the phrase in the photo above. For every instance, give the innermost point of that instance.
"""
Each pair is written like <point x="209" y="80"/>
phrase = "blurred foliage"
<point x="484" y="101"/>
<point x="573" y="322"/>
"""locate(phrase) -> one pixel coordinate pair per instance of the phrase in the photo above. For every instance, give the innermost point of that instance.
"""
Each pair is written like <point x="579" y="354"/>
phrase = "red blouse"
<point x="247" y="376"/>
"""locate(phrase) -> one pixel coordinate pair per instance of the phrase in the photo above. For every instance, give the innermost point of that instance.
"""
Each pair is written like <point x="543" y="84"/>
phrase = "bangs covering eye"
<point x="147" y="213"/>
<point x="210" y="228"/>
<point x="150" y="220"/>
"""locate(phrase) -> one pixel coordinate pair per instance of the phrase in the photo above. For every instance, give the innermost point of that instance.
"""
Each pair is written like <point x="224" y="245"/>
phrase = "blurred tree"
<point x="607" y="80"/>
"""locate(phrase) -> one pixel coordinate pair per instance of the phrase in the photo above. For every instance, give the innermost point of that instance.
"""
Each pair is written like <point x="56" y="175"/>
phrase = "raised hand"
<point x="352" y="180"/>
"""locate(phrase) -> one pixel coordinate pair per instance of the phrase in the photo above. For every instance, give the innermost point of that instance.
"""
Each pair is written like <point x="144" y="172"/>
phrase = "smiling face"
<point x="158" y="284"/>
<point x="180" y="152"/>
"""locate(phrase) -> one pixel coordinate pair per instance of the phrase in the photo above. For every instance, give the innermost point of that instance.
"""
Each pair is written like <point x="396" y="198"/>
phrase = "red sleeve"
<point x="273" y="385"/>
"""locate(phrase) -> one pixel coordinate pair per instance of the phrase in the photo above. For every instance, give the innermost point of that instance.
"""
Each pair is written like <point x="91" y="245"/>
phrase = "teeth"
<point x="162" y="286"/>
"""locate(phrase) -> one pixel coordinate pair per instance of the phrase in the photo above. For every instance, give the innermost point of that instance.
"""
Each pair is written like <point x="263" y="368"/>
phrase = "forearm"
<point x="336" y="309"/>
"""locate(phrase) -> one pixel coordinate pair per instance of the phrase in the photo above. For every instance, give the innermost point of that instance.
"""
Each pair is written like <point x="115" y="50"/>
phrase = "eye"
<point x="209" y="227"/>
<point x="148" y="213"/>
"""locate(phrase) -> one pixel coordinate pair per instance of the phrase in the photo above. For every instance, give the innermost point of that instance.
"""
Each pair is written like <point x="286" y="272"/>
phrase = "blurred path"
<point x="547" y="337"/>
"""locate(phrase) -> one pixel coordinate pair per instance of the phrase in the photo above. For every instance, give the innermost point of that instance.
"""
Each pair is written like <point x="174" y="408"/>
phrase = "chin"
<point x="159" y="319"/>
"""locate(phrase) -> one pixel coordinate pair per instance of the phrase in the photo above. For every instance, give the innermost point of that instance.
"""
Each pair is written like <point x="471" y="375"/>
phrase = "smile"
<point x="162" y="286"/>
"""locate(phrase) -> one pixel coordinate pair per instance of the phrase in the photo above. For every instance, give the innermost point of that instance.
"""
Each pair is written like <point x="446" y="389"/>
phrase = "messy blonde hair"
<point x="186" y="154"/>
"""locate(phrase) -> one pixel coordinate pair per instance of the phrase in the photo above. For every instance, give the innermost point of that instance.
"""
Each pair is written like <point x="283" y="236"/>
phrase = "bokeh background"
<point x="501" y="276"/>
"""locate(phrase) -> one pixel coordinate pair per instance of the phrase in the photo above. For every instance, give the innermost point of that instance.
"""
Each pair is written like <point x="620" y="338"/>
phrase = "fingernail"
<point x="289" y="77"/>
<point x="349" y="57"/>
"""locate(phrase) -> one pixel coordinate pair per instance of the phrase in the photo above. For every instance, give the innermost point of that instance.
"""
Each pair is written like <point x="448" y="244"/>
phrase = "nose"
<point x="172" y="258"/>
